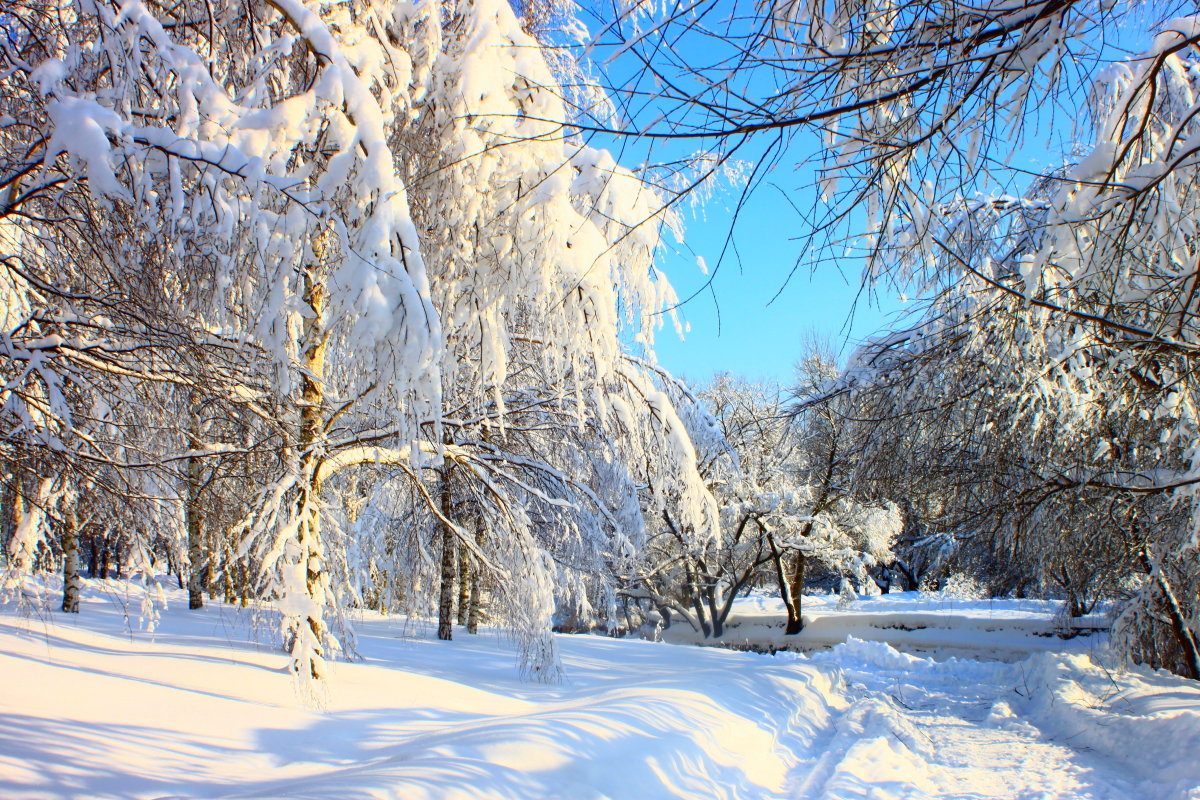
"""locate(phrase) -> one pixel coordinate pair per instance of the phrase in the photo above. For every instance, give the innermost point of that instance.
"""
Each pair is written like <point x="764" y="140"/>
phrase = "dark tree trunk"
<point x="665" y="613"/>
<point x="791" y="604"/>
<point x="8" y="510"/>
<point x="911" y="583"/>
<point x="718" y="619"/>
<point x="210" y="564"/>
<point x="698" y="604"/>
<point x="464" y="585"/>
<point x="196" y="558"/>
<point x="195" y="527"/>
<point x="1188" y="645"/>
<point x="449" y="566"/>
<point x="93" y="556"/>
<point x="795" y="621"/>
<point x="227" y="582"/>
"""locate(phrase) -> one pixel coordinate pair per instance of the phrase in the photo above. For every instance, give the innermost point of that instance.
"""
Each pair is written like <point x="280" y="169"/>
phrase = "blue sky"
<point x="753" y="320"/>
<point x="750" y="314"/>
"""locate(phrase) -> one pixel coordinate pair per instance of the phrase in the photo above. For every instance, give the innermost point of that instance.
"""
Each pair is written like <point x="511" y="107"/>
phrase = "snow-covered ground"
<point x="96" y="707"/>
<point x="935" y="624"/>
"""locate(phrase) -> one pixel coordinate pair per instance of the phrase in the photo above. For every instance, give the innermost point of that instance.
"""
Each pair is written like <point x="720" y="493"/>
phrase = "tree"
<point x="213" y="220"/>
<point x="781" y="481"/>
<point x="1076" y="442"/>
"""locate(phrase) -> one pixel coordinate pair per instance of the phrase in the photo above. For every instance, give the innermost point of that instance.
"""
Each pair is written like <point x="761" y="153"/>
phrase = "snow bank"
<point x="1147" y="721"/>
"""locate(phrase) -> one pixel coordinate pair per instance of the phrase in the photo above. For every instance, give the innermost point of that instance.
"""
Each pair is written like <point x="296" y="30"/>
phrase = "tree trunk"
<point x="243" y="584"/>
<point x="1186" y="640"/>
<point x="795" y="621"/>
<point x="449" y="568"/>
<point x="474" y="612"/>
<point x="885" y="580"/>
<point x="714" y="614"/>
<point x="93" y="557"/>
<point x="210" y="563"/>
<point x="697" y="603"/>
<point x="464" y="585"/>
<point x="7" y="481"/>
<point x="105" y="559"/>
<point x="195" y="530"/>
<point x="19" y="559"/>
<point x="791" y="604"/>
<point x="665" y="613"/>
<point x="227" y="574"/>
<point x="315" y="341"/>
<point x="72" y="583"/>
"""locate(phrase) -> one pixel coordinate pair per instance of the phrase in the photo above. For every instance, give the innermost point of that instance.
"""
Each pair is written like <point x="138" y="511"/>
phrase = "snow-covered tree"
<point x="782" y="482"/>
<point x="330" y="249"/>
<point x="1053" y="372"/>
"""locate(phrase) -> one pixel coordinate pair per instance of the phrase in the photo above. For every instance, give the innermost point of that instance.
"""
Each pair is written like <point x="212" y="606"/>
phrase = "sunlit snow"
<point x="95" y="706"/>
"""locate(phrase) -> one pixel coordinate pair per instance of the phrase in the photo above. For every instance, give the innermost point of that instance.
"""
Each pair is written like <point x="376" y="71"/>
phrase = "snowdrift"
<point x="97" y="707"/>
<point x="1146" y="721"/>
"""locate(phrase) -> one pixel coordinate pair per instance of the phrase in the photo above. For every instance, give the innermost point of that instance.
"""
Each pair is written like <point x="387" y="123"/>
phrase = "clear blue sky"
<point x="753" y="320"/>
<point x="751" y="314"/>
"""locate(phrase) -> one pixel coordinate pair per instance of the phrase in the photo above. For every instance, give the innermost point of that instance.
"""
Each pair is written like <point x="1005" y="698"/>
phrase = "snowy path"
<point x="916" y="728"/>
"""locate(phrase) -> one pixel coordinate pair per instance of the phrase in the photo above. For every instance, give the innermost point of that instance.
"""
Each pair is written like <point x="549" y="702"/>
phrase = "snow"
<point x="922" y="622"/>
<point x="922" y="728"/>
<point x="81" y="129"/>
<point x="96" y="707"/>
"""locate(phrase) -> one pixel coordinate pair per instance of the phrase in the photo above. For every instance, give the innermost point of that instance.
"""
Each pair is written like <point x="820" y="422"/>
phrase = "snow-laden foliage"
<point x="320" y="267"/>
<point x="1049" y="393"/>
<point x="787" y="510"/>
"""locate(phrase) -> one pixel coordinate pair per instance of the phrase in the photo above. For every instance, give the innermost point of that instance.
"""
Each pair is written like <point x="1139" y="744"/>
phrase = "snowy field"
<point x="96" y="707"/>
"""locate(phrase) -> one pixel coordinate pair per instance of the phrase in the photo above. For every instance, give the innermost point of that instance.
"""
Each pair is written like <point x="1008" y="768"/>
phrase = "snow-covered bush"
<point x="964" y="586"/>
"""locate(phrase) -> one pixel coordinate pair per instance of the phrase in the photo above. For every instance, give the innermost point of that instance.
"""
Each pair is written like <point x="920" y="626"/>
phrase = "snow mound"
<point x="873" y="654"/>
<point x="1147" y="721"/>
